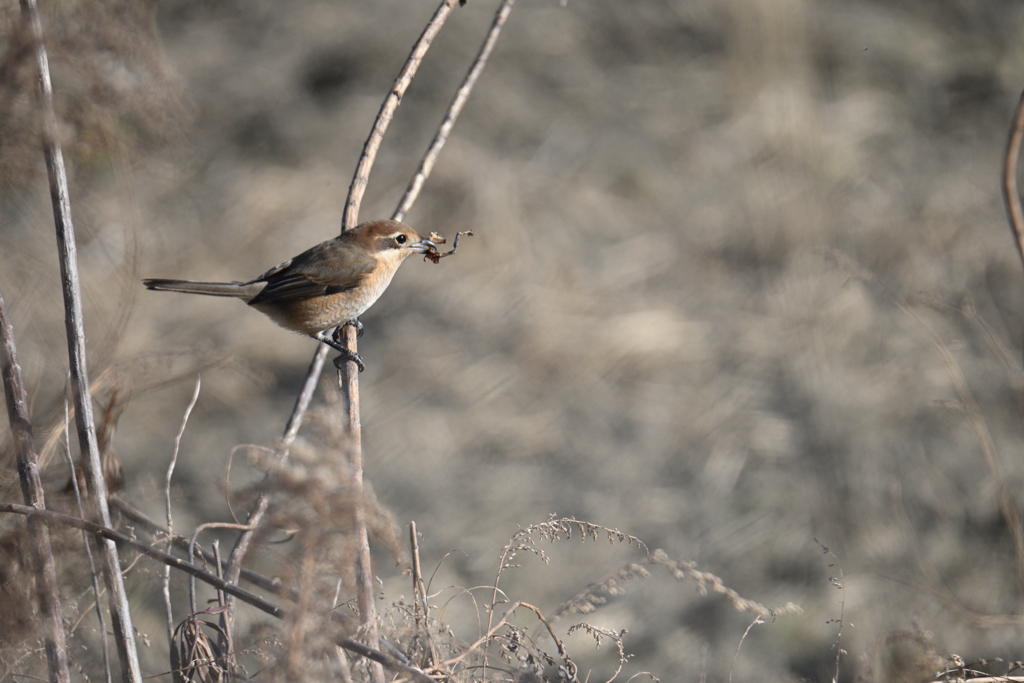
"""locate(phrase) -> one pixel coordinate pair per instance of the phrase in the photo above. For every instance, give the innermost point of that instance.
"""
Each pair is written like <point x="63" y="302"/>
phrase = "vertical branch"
<point x="120" y="614"/>
<point x="94" y="576"/>
<point x="348" y="380"/>
<point x="420" y="609"/>
<point x="348" y="377"/>
<point x="32" y="490"/>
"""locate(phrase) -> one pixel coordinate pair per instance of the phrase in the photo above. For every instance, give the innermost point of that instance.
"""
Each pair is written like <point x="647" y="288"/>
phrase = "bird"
<point x="325" y="287"/>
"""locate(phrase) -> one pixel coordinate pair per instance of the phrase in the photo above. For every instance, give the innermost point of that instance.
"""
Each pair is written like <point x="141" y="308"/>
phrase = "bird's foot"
<point x="336" y="343"/>
<point x="347" y="356"/>
<point x="354" y="322"/>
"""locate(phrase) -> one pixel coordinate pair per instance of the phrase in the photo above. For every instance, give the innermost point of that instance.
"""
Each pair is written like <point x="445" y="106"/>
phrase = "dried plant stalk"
<point x="1011" y="193"/>
<point x="120" y="613"/>
<point x="349" y="376"/>
<point x="32" y="490"/>
<point x="166" y="584"/>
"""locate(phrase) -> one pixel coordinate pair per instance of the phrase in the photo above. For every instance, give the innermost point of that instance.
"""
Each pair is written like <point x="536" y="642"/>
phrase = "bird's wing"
<point x="328" y="268"/>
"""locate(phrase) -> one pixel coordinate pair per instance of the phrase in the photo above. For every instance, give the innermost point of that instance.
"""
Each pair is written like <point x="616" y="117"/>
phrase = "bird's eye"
<point x="400" y="239"/>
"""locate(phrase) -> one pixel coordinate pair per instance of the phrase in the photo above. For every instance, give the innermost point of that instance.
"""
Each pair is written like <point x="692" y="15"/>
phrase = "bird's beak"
<point x="423" y="247"/>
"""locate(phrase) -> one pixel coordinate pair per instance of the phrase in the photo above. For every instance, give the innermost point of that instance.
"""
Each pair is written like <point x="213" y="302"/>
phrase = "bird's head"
<point x="392" y="240"/>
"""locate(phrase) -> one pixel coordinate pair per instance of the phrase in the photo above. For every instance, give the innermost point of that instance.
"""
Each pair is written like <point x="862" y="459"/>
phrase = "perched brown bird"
<point x="325" y="287"/>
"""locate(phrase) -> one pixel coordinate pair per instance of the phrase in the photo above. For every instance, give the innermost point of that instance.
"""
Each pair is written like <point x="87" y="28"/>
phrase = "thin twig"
<point x="170" y="517"/>
<point x="421" y="610"/>
<point x="124" y="634"/>
<point x="454" y="109"/>
<point x="32" y="491"/>
<point x="1011" y="194"/>
<point x="755" y="622"/>
<point x="363" y="564"/>
<point x="449" y="665"/>
<point x="218" y="567"/>
<point x="192" y="553"/>
<point x="258" y="580"/>
<point x="114" y="536"/>
<point x="558" y="643"/>
<point x="343" y="665"/>
<point x="421" y="607"/>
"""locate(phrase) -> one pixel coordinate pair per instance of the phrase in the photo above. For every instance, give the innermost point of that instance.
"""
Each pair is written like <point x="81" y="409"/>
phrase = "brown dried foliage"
<point x="114" y="96"/>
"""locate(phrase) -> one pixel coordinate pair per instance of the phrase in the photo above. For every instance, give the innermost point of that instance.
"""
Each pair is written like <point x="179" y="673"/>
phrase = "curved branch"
<point x="1011" y="195"/>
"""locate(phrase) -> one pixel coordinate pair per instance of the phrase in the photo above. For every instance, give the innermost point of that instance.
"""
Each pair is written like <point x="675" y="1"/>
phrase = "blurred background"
<point x="650" y="329"/>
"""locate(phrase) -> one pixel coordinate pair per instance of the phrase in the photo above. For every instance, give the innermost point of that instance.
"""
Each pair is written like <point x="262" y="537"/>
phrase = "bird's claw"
<point x="338" y="335"/>
<point x="347" y="356"/>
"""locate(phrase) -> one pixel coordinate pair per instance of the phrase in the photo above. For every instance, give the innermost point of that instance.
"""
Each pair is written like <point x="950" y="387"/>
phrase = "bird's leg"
<point x="346" y="354"/>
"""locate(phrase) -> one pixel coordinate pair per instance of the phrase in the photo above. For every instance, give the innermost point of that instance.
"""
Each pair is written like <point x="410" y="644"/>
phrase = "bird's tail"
<point x="238" y="290"/>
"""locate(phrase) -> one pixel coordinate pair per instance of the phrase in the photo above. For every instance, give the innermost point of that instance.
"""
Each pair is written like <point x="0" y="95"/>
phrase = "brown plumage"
<point x="326" y="286"/>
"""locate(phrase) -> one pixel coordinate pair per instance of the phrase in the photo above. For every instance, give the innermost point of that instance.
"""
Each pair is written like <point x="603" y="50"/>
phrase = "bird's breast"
<point x="315" y="314"/>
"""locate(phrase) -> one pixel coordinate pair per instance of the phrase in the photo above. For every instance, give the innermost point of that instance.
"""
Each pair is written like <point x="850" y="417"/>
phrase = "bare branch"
<point x="94" y="576"/>
<point x="120" y="614"/>
<point x="258" y="580"/>
<point x="348" y="377"/>
<point x="32" y="490"/>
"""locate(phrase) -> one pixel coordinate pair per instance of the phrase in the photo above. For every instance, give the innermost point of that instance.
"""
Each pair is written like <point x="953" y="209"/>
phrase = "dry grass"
<point x="643" y="331"/>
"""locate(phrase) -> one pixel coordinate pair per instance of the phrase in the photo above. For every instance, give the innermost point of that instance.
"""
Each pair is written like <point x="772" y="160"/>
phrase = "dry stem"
<point x="1011" y="195"/>
<point x="170" y="518"/>
<point x="92" y="468"/>
<point x="32" y="491"/>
